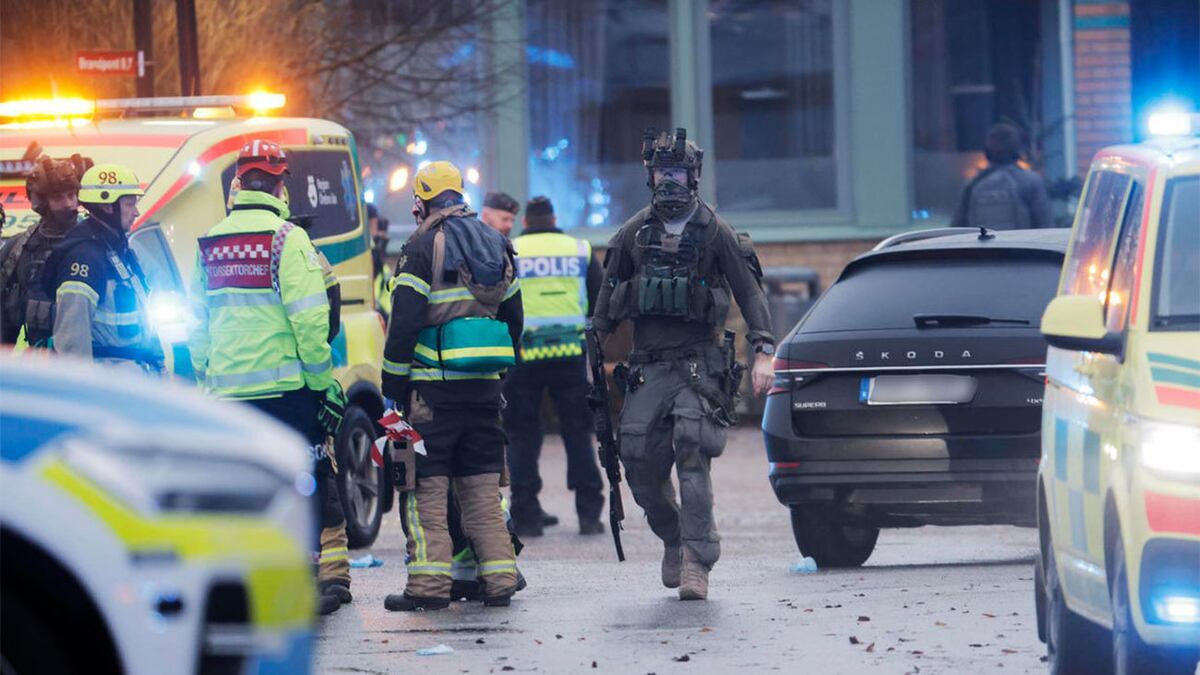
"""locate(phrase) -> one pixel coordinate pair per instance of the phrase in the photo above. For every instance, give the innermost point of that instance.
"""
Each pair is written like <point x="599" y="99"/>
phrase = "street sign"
<point x="128" y="63"/>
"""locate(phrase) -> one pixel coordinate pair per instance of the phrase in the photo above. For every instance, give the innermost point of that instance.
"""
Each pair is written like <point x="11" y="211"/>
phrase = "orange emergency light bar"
<point x="58" y="108"/>
<point x="47" y="107"/>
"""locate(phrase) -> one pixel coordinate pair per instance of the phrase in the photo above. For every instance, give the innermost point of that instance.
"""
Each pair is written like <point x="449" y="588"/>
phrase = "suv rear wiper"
<point x="949" y="320"/>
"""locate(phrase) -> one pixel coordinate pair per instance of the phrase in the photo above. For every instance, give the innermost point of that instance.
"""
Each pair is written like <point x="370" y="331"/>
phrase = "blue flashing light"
<point x="1178" y="608"/>
<point x="369" y="196"/>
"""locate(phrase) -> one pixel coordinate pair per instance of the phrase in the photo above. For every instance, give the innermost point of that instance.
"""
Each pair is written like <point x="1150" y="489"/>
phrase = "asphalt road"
<point x="930" y="600"/>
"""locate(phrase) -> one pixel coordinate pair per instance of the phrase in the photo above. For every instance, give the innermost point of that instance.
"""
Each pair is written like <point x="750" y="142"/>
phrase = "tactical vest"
<point x="553" y="268"/>
<point x="26" y="300"/>
<point x="675" y="276"/>
<point x="462" y="339"/>
<point x="121" y="328"/>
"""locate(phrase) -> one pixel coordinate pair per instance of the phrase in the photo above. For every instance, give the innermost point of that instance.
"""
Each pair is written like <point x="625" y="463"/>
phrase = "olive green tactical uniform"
<point x="677" y="290"/>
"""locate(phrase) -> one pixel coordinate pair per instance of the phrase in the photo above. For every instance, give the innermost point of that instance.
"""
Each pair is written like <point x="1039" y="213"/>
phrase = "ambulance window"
<point x="1116" y="309"/>
<point x="1087" y="267"/>
<point x="154" y="255"/>
<point x="321" y="185"/>
<point x="1177" y="274"/>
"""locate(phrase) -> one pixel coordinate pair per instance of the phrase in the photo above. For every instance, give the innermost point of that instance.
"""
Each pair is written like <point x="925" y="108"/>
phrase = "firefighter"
<point x="456" y="321"/>
<point x="53" y="191"/>
<point x="560" y="279"/>
<point x="100" y="291"/>
<point x="672" y="270"/>
<point x="262" y="336"/>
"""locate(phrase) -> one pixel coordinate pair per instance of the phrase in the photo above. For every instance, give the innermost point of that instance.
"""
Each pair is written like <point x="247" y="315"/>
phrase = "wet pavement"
<point x="930" y="600"/>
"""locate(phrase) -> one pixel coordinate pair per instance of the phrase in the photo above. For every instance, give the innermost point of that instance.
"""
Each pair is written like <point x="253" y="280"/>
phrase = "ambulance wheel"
<point x="1070" y="639"/>
<point x="361" y="484"/>
<point x="830" y="543"/>
<point x="1130" y="654"/>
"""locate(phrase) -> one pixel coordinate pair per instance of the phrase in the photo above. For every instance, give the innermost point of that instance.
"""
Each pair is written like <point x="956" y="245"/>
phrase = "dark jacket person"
<point x="1004" y="196"/>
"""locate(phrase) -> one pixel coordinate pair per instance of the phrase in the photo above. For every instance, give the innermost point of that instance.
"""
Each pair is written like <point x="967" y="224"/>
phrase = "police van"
<point x="183" y="150"/>
<point x="145" y="528"/>
<point x="1119" y="478"/>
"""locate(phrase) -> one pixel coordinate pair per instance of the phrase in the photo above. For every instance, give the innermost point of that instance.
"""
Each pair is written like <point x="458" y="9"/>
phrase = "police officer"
<point x="1004" y="196"/>
<point x="98" y="285"/>
<point x="499" y="212"/>
<point x="560" y="279"/>
<point x="456" y="320"/>
<point x="262" y="335"/>
<point x="53" y="191"/>
<point x="672" y="269"/>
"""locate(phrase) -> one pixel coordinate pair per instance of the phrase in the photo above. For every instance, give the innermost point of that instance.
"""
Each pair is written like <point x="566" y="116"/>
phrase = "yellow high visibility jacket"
<point x="553" y="267"/>
<point x="258" y="292"/>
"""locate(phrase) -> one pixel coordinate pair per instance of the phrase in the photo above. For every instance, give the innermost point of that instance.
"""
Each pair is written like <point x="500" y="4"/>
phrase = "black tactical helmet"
<point x="661" y="150"/>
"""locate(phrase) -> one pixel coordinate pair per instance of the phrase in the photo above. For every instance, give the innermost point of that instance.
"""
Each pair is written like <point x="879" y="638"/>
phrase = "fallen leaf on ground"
<point x="1008" y="651"/>
<point x="480" y="641"/>
<point x="864" y="618"/>
<point x="682" y="659"/>
<point x="853" y="640"/>
<point x="871" y="647"/>
<point x="706" y="629"/>
<point x="990" y="616"/>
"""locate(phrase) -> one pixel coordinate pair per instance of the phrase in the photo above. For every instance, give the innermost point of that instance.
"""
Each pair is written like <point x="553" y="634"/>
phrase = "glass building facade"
<point x="820" y="119"/>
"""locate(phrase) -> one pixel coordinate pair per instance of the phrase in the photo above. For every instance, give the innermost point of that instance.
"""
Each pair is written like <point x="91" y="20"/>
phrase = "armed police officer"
<point x="261" y="297"/>
<point x="99" y="287"/>
<point x="672" y="269"/>
<point x="456" y="320"/>
<point x="53" y="191"/>
<point x="560" y="279"/>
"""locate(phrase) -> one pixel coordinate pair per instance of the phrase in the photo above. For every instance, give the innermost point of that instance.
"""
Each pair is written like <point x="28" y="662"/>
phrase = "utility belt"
<point x="720" y="400"/>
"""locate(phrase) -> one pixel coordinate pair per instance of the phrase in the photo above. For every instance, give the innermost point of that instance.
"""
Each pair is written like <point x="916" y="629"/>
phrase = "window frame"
<point x="1137" y="188"/>
<point x="840" y="215"/>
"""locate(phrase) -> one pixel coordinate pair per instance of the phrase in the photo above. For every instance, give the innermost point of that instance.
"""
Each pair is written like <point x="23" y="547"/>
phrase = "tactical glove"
<point x="333" y="409"/>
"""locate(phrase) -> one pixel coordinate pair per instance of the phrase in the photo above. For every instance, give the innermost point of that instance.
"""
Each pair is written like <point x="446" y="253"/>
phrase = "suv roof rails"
<point x="933" y="233"/>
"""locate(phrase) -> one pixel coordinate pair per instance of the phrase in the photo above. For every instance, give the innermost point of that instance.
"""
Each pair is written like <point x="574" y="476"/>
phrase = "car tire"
<point x="1130" y="655"/>
<point x="361" y="484"/>
<point x="830" y="543"/>
<point x="1070" y="639"/>
<point x="30" y="644"/>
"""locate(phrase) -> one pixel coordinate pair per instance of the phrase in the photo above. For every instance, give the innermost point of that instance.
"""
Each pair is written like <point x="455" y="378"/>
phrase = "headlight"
<point x="154" y="480"/>
<point x="1170" y="448"/>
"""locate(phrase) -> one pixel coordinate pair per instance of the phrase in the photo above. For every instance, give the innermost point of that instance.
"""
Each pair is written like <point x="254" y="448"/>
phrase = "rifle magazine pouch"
<point x="467" y="344"/>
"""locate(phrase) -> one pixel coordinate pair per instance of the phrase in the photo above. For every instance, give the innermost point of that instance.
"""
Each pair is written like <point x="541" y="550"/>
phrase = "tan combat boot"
<point x="694" y="584"/>
<point x="672" y="560"/>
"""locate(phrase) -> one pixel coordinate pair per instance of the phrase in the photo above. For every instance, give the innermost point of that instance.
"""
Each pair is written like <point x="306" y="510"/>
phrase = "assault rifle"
<point x="610" y="448"/>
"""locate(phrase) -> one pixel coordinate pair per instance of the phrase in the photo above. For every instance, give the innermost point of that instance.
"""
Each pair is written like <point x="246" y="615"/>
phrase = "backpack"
<point x="995" y="201"/>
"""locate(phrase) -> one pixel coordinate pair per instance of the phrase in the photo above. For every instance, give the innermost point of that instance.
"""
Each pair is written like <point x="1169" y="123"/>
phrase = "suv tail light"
<point x="786" y="378"/>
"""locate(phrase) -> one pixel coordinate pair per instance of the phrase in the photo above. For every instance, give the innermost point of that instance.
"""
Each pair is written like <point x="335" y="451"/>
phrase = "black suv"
<point x="911" y="393"/>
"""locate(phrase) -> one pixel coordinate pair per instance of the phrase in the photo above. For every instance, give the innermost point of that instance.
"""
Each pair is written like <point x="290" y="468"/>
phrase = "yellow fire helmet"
<point x="436" y="178"/>
<point x="106" y="183"/>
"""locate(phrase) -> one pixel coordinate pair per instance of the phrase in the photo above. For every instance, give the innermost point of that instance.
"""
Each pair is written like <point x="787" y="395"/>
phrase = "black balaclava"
<point x="671" y="199"/>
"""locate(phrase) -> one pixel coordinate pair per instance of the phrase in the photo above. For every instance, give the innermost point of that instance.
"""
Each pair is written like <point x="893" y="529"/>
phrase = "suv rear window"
<point x="888" y="293"/>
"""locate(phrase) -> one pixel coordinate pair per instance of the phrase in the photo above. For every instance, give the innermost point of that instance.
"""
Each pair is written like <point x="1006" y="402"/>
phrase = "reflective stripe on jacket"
<point x="259" y="332"/>
<point x="553" y="267"/>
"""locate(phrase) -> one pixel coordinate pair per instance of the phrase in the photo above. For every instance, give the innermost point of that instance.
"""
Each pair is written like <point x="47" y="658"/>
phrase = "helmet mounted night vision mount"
<point x="662" y="150"/>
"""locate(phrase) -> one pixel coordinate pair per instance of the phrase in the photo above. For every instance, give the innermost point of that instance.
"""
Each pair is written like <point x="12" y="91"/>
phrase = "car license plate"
<point x="917" y="389"/>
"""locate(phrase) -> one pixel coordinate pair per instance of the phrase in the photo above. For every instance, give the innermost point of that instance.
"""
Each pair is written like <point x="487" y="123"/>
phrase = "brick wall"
<point x="1103" y="108"/>
<point x="826" y="257"/>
